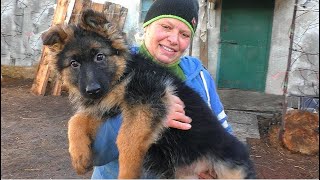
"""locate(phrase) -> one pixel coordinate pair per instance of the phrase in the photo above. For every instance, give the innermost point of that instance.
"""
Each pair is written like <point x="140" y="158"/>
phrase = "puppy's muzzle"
<point x="93" y="90"/>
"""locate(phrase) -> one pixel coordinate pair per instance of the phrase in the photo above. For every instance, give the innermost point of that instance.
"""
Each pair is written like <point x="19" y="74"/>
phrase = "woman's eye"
<point x="74" y="64"/>
<point x="100" y="57"/>
<point x="185" y="35"/>
<point x="165" y="26"/>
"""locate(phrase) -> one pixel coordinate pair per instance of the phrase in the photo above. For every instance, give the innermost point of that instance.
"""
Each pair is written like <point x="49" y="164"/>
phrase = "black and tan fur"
<point x="104" y="79"/>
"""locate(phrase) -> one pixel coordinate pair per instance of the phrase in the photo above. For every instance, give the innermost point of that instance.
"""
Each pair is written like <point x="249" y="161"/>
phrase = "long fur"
<point x="104" y="80"/>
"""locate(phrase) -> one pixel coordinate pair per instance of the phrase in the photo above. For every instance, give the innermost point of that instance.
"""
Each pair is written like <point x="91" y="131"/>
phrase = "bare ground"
<point x="34" y="140"/>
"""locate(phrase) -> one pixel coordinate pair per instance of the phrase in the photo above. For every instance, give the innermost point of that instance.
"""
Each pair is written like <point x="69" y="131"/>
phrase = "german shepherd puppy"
<point x="104" y="79"/>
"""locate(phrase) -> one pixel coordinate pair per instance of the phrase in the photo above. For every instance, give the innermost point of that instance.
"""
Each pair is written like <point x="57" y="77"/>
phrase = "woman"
<point x="169" y="27"/>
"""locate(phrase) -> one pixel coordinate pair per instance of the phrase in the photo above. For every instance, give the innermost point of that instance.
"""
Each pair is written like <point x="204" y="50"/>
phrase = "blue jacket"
<point x="105" y="149"/>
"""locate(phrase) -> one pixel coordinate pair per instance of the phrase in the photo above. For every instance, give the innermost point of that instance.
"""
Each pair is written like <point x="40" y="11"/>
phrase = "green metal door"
<point x="245" y="40"/>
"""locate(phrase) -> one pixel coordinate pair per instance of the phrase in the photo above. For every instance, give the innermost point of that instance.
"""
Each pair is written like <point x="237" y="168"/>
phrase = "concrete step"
<point x="244" y="125"/>
<point x="240" y="100"/>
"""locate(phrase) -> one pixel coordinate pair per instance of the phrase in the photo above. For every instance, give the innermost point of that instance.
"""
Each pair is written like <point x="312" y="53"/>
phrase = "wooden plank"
<point x="116" y="14"/>
<point x="60" y="13"/>
<point x="69" y="11"/>
<point x="123" y="16"/>
<point x="110" y="12"/>
<point x="41" y="79"/>
<point x="97" y="7"/>
<point x="204" y="52"/>
<point x="56" y="91"/>
<point x="78" y="6"/>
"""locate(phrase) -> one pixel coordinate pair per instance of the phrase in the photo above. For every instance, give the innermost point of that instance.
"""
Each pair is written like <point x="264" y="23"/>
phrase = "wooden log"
<point x="40" y="82"/>
<point x="116" y="14"/>
<point x="43" y="72"/>
<point x="57" y="88"/>
<point x="56" y="91"/>
<point x="204" y="52"/>
<point x="123" y="15"/>
<point x="77" y="9"/>
<point x="97" y="6"/>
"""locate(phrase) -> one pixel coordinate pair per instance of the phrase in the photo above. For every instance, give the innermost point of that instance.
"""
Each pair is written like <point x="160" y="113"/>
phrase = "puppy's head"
<point x="90" y="56"/>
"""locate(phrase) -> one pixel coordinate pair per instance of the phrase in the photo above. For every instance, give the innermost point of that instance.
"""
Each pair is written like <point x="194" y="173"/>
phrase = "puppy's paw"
<point x="81" y="157"/>
<point x="81" y="131"/>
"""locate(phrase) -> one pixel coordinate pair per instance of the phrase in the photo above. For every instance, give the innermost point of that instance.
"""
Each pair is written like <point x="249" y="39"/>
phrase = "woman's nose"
<point x="173" y="38"/>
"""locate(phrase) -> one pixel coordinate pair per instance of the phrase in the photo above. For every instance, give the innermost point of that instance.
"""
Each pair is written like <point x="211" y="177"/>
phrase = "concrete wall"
<point x="304" y="74"/>
<point x="21" y="25"/>
<point x="279" y="50"/>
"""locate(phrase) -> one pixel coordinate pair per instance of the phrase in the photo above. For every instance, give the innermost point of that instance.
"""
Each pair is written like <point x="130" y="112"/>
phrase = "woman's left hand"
<point x="176" y="117"/>
<point x="208" y="175"/>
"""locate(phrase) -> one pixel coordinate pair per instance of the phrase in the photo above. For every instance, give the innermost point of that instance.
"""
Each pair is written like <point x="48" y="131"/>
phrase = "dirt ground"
<point x="34" y="140"/>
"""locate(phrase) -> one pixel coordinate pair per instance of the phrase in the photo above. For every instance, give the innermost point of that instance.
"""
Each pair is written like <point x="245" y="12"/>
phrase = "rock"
<point x="301" y="132"/>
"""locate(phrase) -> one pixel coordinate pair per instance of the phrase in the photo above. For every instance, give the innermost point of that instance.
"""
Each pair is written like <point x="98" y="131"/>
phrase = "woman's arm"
<point x="104" y="147"/>
<point x="216" y="104"/>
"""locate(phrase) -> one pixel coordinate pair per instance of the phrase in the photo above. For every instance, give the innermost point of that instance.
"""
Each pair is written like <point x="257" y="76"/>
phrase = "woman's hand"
<point x="208" y="175"/>
<point x="176" y="117"/>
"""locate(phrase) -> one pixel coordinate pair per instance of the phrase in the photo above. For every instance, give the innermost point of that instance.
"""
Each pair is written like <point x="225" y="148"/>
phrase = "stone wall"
<point x="22" y="23"/>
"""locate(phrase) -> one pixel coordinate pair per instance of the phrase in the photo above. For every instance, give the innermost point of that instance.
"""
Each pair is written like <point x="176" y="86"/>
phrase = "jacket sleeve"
<point x="215" y="102"/>
<point x="104" y="147"/>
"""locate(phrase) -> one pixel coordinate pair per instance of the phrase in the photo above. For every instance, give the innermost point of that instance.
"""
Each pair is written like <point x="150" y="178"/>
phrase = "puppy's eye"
<point x="100" y="57"/>
<point x="74" y="64"/>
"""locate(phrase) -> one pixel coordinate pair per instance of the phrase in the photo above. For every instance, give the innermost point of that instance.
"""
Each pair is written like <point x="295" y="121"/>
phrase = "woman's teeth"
<point x="167" y="49"/>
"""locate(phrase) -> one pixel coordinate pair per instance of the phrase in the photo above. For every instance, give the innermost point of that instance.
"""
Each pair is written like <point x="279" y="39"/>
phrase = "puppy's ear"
<point x="93" y="19"/>
<point x="97" y="22"/>
<point x="55" y="37"/>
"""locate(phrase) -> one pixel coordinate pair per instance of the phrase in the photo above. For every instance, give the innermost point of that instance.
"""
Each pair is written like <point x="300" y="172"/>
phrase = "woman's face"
<point x="166" y="39"/>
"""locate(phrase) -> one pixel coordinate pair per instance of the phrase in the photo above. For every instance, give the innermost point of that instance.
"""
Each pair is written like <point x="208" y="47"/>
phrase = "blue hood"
<point x="191" y="67"/>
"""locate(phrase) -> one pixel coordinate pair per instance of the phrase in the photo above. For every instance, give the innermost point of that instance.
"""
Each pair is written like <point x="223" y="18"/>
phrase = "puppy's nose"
<point x="93" y="88"/>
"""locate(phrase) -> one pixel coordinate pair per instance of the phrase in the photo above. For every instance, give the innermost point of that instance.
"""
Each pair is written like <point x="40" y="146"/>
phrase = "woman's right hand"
<point x="176" y="117"/>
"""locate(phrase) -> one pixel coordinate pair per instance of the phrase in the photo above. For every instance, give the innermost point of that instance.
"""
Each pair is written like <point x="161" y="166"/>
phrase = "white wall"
<point x="279" y="50"/>
<point x="304" y="74"/>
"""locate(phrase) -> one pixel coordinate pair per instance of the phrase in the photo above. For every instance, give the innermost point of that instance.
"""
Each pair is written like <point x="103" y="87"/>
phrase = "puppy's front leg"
<point x="81" y="131"/>
<point x="135" y="136"/>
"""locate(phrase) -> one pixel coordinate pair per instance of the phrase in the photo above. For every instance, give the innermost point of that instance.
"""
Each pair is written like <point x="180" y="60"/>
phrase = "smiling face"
<point x="167" y="39"/>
